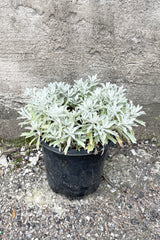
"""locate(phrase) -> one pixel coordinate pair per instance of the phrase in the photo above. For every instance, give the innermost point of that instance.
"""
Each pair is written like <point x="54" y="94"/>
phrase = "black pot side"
<point x="75" y="174"/>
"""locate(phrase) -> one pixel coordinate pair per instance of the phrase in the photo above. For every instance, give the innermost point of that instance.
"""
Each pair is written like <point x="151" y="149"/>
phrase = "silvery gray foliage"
<point x="85" y="115"/>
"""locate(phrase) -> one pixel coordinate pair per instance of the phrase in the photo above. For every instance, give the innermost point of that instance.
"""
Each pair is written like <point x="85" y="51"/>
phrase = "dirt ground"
<point x="125" y="206"/>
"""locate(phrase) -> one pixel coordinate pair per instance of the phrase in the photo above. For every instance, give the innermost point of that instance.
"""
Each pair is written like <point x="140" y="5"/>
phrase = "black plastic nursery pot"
<point x="75" y="174"/>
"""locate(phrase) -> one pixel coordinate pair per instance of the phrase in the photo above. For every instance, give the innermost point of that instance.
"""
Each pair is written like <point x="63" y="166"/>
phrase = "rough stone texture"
<point x="43" y="41"/>
<point x="126" y="206"/>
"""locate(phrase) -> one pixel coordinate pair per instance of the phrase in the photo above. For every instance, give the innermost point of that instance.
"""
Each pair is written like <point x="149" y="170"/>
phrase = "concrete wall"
<point x="47" y="40"/>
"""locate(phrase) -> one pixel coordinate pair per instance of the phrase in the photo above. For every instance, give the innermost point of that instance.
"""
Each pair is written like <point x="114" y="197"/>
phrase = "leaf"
<point x="120" y="141"/>
<point x="90" y="137"/>
<point x="68" y="145"/>
<point x="28" y="134"/>
<point x="80" y="143"/>
<point x="38" y="143"/>
<point x="32" y="141"/>
<point x="130" y="135"/>
<point x="90" y="147"/>
<point x="60" y="131"/>
<point x="140" y="122"/>
<point x="14" y="213"/>
<point x="124" y="135"/>
<point x="111" y="132"/>
<point x="65" y="150"/>
<point x="112" y="139"/>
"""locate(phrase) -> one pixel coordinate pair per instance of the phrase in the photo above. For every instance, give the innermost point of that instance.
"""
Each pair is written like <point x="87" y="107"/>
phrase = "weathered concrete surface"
<point x="43" y="41"/>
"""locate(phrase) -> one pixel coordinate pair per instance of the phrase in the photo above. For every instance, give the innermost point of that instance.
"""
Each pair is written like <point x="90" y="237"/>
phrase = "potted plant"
<point x="75" y="123"/>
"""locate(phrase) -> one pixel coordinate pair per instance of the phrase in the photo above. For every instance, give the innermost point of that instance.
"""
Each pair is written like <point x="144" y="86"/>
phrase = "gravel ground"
<point x="125" y="206"/>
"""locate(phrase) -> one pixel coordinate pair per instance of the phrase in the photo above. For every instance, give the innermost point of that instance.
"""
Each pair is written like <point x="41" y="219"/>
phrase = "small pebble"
<point x="3" y="161"/>
<point x="133" y="152"/>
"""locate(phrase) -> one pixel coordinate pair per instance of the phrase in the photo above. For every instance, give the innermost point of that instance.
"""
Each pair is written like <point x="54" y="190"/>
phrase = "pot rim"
<point x="74" y="152"/>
